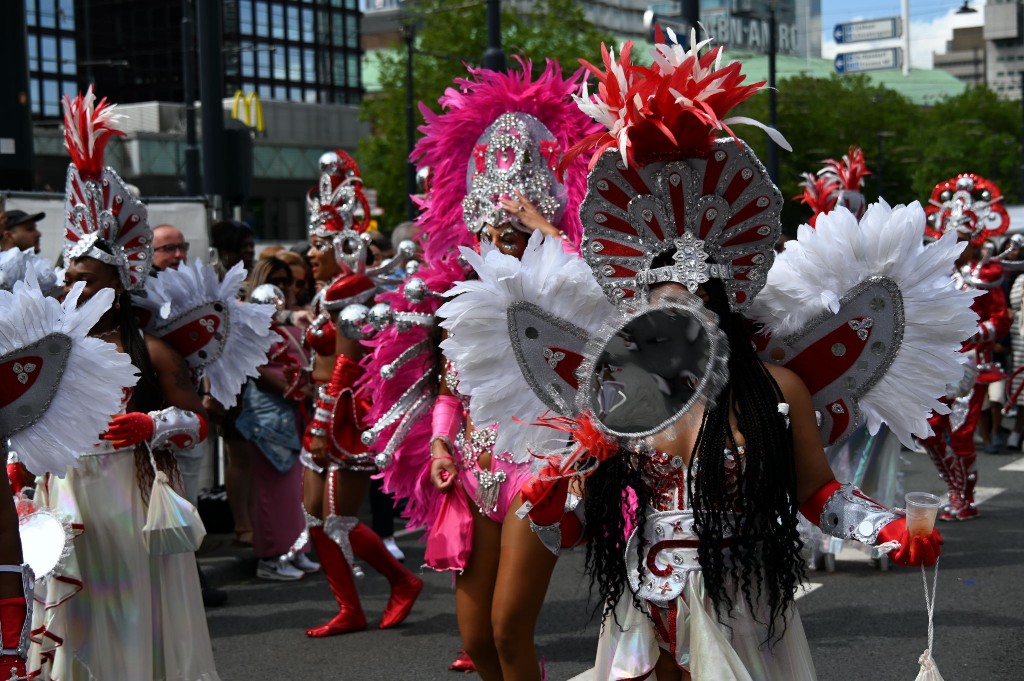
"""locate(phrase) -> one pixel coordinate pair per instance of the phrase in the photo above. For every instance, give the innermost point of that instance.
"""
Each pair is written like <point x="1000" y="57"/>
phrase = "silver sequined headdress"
<point x="662" y="182"/>
<point x="99" y="209"/>
<point x="516" y="152"/>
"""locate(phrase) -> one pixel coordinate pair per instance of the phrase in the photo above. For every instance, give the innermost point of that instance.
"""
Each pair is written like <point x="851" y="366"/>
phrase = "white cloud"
<point x="927" y="36"/>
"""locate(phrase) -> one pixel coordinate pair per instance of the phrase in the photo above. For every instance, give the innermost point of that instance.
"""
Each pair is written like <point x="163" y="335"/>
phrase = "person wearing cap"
<point x="20" y="230"/>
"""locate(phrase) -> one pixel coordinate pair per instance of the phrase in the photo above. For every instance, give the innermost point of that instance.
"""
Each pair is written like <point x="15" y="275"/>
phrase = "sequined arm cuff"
<point x="175" y="428"/>
<point x="446" y="420"/>
<point x="845" y="512"/>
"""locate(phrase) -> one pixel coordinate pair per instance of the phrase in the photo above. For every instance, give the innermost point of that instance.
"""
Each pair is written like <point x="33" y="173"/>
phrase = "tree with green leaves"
<point x="908" y="148"/>
<point x="448" y="36"/>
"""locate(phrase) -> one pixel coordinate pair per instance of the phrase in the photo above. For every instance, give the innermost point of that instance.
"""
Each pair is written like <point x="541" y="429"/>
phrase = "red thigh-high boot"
<point x="405" y="586"/>
<point x="350" y="615"/>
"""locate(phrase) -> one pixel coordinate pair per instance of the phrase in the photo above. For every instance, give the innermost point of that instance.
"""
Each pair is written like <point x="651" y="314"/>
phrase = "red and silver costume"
<point x="111" y="610"/>
<point x="662" y="183"/>
<point x="340" y="413"/>
<point x="970" y="206"/>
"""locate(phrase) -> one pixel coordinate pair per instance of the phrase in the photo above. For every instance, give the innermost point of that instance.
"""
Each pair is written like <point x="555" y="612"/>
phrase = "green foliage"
<point x="908" y="148"/>
<point x="450" y="34"/>
<point x="975" y="132"/>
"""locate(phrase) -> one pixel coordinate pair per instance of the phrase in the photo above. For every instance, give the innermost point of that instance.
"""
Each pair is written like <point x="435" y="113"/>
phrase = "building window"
<point x="262" y="18"/>
<point x="47" y="14"/>
<point x="51" y="98"/>
<point x="30" y="13"/>
<point x="277" y="21"/>
<point x="48" y="45"/>
<point x="66" y="15"/>
<point x="245" y="17"/>
<point x="293" y="23"/>
<point x="67" y="56"/>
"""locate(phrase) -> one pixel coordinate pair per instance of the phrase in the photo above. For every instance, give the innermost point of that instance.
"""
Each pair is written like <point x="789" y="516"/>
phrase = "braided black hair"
<point x="746" y="521"/>
<point x="753" y="511"/>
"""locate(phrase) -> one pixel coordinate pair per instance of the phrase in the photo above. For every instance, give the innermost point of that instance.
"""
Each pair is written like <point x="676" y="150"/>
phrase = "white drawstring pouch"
<point x="172" y="524"/>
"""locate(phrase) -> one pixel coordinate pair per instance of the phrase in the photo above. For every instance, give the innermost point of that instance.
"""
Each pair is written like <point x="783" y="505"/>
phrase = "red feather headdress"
<point x="662" y="181"/>
<point x="98" y="206"/>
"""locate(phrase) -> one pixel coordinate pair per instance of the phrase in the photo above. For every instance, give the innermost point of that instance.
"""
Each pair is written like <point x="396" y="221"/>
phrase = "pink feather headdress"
<point x="468" y="109"/>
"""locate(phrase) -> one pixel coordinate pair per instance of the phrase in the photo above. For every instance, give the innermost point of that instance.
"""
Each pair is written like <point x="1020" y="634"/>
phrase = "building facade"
<point x="290" y="50"/>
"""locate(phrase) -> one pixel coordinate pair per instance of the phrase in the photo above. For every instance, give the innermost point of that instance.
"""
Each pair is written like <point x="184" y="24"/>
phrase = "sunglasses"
<point x="281" y="282"/>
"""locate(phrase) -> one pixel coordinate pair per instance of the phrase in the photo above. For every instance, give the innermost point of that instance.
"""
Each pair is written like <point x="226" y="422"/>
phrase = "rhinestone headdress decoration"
<point x="516" y="153"/>
<point x="98" y="206"/>
<point x="662" y="182"/>
<point x="838" y="183"/>
<point x="333" y="206"/>
<point x="971" y="205"/>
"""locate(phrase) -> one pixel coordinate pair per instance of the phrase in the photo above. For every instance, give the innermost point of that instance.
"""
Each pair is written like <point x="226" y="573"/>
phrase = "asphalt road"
<point x="862" y="623"/>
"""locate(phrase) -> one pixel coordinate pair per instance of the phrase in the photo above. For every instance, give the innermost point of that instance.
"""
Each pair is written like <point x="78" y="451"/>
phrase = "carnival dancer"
<point x="868" y="460"/>
<point x="115" y="611"/>
<point x="338" y="465"/>
<point x="492" y="153"/>
<point x="971" y="207"/>
<point x="671" y="400"/>
<point x="48" y="346"/>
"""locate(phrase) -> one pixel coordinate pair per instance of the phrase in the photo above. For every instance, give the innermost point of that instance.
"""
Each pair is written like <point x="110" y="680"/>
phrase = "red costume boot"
<point x="12" y="621"/>
<point x="350" y="615"/>
<point x="405" y="586"/>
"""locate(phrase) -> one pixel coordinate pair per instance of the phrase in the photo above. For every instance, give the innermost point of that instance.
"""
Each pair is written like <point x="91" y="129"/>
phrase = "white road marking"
<point x="1017" y="465"/>
<point x="806" y="588"/>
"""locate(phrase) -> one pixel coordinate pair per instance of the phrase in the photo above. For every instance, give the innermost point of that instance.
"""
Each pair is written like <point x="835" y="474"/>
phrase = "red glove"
<point x="913" y="550"/>
<point x="128" y="430"/>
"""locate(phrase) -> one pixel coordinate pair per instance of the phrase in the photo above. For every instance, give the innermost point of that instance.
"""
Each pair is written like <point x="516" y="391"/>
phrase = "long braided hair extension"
<point x="751" y="508"/>
<point x="752" y="511"/>
<point x="615" y="501"/>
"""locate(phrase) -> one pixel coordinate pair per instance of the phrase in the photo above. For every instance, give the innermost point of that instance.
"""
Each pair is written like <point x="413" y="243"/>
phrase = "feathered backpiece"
<point x="98" y="206"/>
<point x="662" y="182"/>
<point x="969" y="204"/>
<point x="869" y="318"/>
<point x="200" y="316"/>
<point x="47" y="363"/>
<point x="466" y="144"/>
<point x="339" y="209"/>
<point x="838" y="183"/>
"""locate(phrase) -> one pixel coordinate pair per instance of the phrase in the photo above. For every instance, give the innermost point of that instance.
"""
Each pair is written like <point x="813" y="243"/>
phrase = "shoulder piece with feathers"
<point x="869" y="318"/>
<point x="500" y="361"/>
<point x="49" y="360"/>
<point x="221" y="338"/>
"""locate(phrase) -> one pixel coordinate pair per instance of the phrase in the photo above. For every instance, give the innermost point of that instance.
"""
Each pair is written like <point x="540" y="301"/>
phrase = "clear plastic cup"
<point x="921" y="511"/>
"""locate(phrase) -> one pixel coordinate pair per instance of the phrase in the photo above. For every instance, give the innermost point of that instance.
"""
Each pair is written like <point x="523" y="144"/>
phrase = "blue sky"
<point x="931" y="24"/>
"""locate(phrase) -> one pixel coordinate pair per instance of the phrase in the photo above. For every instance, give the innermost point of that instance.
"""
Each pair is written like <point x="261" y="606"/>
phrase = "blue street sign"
<point x="874" y="29"/>
<point x="869" y="60"/>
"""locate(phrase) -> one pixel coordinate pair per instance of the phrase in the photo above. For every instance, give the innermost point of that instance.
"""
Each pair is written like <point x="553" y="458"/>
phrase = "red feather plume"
<point x="87" y="129"/>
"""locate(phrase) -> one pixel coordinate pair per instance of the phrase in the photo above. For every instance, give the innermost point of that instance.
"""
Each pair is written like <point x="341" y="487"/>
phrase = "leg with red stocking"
<point x="15" y="621"/>
<point x="339" y="576"/>
<point x="405" y="586"/>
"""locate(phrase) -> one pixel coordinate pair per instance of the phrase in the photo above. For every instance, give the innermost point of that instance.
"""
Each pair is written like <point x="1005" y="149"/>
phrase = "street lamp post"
<point x="408" y="30"/>
<point x="773" y="101"/>
<point x="494" y="55"/>
<point x="188" y="85"/>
